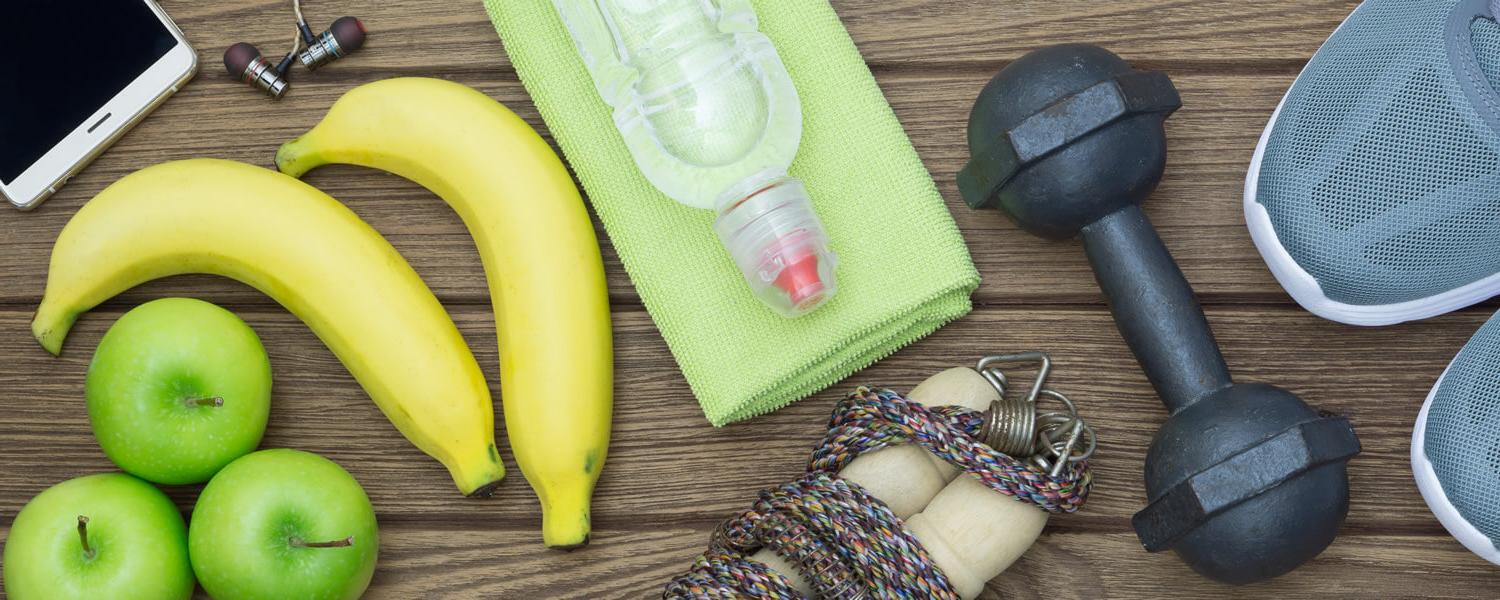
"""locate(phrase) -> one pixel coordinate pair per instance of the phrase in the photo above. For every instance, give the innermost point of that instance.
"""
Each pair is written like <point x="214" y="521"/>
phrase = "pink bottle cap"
<point x="801" y="280"/>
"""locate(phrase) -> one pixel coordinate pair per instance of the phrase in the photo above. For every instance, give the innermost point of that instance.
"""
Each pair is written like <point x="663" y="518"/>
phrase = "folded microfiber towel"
<point x="903" y="269"/>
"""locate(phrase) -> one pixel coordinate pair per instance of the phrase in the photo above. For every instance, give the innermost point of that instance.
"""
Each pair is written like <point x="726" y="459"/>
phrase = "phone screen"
<point x="61" y="62"/>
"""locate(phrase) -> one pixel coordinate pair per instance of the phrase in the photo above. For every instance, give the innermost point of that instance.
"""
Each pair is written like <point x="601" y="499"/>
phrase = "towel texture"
<point x="903" y="269"/>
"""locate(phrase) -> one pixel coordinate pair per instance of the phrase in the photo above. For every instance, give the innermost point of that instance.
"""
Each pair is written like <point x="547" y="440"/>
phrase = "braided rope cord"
<point x="848" y="542"/>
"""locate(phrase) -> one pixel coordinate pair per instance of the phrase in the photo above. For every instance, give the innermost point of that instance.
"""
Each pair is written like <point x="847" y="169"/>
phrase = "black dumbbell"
<point x="1245" y="481"/>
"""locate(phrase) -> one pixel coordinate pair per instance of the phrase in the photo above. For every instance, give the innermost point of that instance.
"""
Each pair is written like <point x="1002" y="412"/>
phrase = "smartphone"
<point x="79" y="75"/>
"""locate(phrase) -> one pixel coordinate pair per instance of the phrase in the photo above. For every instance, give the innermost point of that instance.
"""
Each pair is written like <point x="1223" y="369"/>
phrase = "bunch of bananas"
<point x="320" y="261"/>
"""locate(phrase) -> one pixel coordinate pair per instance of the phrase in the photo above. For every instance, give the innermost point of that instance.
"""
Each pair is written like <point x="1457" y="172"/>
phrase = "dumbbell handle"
<point x="1155" y="309"/>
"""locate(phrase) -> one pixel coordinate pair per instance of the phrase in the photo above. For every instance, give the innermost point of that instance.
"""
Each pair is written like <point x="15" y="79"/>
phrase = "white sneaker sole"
<point x="1432" y="489"/>
<point x="1305" y="289"/>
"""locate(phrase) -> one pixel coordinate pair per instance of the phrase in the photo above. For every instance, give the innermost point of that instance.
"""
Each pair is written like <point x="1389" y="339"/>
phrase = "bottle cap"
<point x="801" y="280"/>
<point x="779" y="245"/>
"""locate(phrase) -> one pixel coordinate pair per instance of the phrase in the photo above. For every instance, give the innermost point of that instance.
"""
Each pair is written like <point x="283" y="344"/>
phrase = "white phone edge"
<point x="86" y="142"/>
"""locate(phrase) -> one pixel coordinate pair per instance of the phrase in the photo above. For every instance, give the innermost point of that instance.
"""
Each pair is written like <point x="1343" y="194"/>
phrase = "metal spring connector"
<point x="1013" y="426"/>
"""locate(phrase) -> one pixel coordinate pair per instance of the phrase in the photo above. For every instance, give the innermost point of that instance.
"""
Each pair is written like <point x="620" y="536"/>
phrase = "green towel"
<point x="903" y="269"/>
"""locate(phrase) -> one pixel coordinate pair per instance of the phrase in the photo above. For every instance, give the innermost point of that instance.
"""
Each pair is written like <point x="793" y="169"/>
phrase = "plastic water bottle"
<point x="710" y="115"/>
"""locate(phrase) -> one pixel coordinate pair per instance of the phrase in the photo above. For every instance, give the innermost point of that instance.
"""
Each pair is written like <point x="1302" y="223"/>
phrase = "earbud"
<point x="345" y="36"/>
<point x="244" y="62"/>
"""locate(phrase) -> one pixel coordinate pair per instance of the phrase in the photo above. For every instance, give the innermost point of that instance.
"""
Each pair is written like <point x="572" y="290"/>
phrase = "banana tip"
<point x="565" y="529"/>
<point x="49" y="343"/>
<point x="571" y="547"/>
<point x="486" y="490"/>
<point x="47" y="337"/>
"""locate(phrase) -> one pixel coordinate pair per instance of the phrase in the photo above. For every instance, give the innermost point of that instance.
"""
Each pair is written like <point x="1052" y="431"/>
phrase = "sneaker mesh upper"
<point x="1380" y="178"/>
<point x="1462" y="438"/>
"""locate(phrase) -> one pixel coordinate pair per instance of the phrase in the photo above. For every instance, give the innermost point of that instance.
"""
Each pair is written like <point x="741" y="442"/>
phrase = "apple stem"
<point x="215" y="401"/>
<point x="83" y="536"/>
<point x="301" y="543"/>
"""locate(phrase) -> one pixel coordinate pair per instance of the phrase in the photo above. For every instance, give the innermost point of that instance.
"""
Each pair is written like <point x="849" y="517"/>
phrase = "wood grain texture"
<point x="492" y="562"/>
<point x="653" y="483"/>
<point x="670" y="477"/>
<point x="422" y="37"/>
<point x="1197" y="206"/>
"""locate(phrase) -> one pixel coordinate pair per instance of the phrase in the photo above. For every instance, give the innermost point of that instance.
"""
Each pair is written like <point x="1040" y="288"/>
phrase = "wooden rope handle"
<point x="971" y="532"/>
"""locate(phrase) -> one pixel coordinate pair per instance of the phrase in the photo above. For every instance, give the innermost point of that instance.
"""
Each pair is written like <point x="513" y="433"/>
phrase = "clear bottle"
<point x="712" y="119"/>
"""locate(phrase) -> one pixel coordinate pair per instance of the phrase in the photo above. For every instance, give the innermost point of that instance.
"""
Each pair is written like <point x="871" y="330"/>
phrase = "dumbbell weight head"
<point x="1018" y="120"/>
<point x="1246" y="484"/>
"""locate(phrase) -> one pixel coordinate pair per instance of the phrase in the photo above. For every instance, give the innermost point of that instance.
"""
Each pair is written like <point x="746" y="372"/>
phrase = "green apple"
<point x="177" y="389"/>
<point x="100" y="536"/>
<point x="283" y="524"/>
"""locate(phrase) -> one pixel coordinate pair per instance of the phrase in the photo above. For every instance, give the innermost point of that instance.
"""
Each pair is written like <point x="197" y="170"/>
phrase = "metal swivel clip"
<point x="1013" y="425"/>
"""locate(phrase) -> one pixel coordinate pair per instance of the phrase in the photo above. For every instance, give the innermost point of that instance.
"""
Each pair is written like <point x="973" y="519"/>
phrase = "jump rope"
<point x="848" y="543"/>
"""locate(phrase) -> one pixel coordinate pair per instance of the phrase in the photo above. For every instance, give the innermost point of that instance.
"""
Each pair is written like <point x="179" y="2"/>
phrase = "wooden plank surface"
<point x="317" y="405"/>
<point x="653" y="484"/>
<point x="1196" y="207"/>
<point x="671" y="478"/>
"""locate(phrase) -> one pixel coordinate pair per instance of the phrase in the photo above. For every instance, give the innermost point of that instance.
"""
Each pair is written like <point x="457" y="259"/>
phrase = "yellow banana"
<point x="311" y="254"/>
<point x="540" y="256"/>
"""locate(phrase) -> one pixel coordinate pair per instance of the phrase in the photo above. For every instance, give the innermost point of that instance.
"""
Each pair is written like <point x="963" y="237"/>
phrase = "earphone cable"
<point x="297" y="33"/>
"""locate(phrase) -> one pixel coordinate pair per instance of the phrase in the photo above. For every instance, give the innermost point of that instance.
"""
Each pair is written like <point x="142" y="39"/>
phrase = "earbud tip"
<point x="349" y="33"/>
<point x="238" y="58"/>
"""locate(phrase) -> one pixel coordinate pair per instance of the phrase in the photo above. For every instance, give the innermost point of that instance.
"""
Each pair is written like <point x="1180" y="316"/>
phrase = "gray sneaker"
<point x="1374" y="194"/>
<point x="1455" y="446"/>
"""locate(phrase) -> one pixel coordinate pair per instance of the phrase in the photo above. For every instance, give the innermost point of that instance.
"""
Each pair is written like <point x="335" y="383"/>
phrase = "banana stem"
<point x="294" y="158"/>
